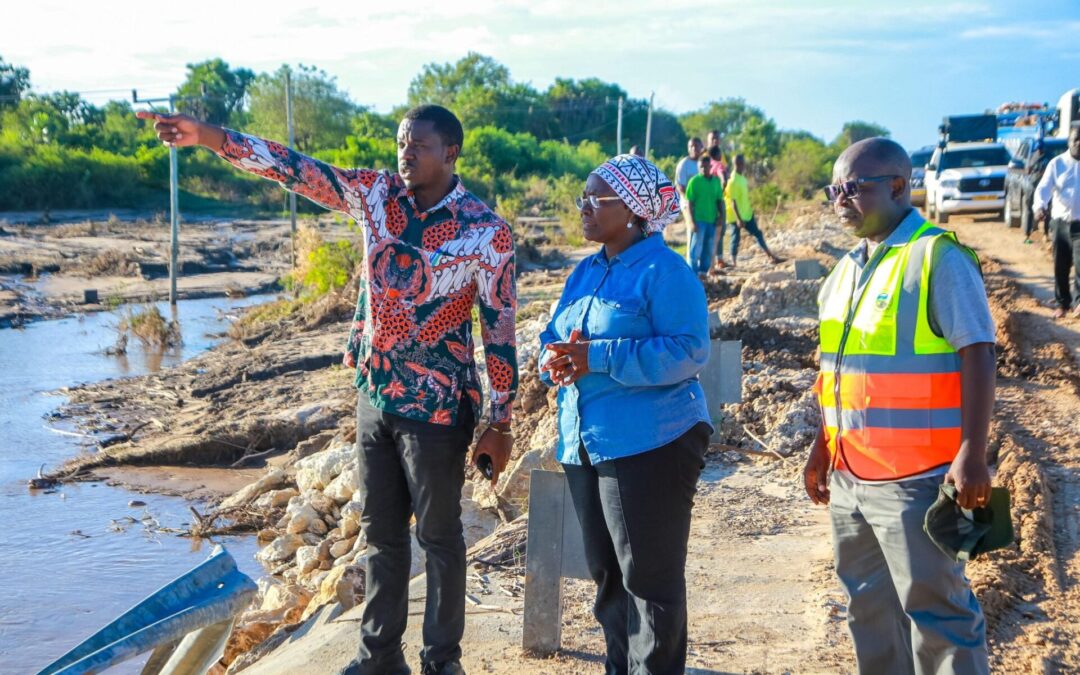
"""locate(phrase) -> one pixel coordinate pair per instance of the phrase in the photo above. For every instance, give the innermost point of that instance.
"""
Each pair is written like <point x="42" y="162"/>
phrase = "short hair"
<point x="879" y="153"/>
<point x="696" y="139"/>
<point x="740" y="158"/>
<point x="704" y="159"/>
<point x="715" y="132"/>
<point x="445" y="122"/>
<point x="716" y="153"/>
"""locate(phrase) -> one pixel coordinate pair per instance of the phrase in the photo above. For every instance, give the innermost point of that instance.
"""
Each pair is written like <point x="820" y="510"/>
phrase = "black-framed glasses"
<point x="593" y="201"/>
<point x="850" y="188"/>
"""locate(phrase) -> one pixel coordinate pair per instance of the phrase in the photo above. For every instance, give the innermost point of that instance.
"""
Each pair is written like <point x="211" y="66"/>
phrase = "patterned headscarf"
<point x="643" y="188"/>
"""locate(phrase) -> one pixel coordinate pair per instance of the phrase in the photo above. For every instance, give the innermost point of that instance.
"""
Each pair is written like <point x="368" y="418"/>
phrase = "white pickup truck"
<point x="966" y="178"/>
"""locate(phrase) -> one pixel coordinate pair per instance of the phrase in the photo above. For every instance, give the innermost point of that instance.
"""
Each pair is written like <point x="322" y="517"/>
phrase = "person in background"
<point x="741" y="214"/>
<point x="719" y="169"/>
<point x="715" y="150"/>
<point x="705" y="192"/>
<point x="1057" y="200"/>
<point x="625" y="346"/>
<point x="636" y="151"/>
<point x="686" y="169"/>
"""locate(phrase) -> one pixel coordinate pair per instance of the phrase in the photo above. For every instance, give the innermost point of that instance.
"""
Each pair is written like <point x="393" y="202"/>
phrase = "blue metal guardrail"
<point x="186" y="622"/>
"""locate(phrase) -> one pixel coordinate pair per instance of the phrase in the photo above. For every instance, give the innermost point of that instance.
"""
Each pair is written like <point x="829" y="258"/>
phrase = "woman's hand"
<point x="570" y="361"/>
<point x="183" y="130"/>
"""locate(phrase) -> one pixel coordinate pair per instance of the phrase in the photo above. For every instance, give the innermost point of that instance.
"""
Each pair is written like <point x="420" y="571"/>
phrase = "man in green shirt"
<point x="705" y="196"/>
<point x="740" y="214"/>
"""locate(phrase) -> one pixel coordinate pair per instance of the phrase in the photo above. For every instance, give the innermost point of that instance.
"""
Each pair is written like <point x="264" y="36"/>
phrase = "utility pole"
<point x="174" y="189"/>
<point x="648" y="125"/>
<point x="292" y="146"/>
<point x="618" y="131"/>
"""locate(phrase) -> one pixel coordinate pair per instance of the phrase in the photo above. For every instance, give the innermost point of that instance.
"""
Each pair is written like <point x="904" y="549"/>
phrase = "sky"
<point x="809" y="64"/>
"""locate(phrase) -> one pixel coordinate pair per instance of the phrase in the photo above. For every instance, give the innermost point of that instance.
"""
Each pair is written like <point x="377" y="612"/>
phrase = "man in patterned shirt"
<point x="431" y="251"/>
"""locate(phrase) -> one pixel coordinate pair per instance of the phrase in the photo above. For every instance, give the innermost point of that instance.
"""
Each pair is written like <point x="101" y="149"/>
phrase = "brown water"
<point x="69" y="561"/>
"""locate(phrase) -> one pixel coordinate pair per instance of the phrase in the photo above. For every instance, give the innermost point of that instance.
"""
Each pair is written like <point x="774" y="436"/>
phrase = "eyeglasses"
<point x="593" y="201"/>
<point x="850" y="188"/>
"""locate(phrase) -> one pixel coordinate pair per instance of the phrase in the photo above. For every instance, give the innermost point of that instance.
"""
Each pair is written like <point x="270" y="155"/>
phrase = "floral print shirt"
<point x="411" y="339"/>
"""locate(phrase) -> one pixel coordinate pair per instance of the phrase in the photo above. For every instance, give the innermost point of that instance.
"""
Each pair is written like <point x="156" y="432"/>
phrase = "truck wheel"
<point x="1010" y="218"/>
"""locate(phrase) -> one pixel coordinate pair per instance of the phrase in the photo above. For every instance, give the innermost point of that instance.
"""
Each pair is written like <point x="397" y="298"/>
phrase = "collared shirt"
<point x="737" y="194"/>
<point x="959" y="310"/>
<point x="1061" y="182"/>
<point x="411" y="339"/>
<point x="645" y="315"/>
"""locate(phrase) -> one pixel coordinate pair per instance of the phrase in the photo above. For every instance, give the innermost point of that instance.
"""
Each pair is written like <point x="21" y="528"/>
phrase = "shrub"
<point x="150" y="327"/>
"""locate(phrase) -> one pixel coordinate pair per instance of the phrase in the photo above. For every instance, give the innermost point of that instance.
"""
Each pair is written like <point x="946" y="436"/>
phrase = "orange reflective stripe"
<point x="895" y="390"/>
<point x="909" y="390"/>
<point x="887" y="454"/>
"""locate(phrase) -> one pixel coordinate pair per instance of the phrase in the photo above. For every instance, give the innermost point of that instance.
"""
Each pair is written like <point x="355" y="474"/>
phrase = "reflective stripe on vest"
<point x="889" y="387"/>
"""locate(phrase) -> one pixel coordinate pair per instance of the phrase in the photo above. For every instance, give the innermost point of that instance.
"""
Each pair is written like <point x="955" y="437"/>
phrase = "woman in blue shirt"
<point x="625" y="346"/>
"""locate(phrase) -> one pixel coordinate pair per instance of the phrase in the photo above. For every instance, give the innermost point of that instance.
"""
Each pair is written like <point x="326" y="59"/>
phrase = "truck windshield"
<point x="965" y="159"/>
<point x="1054" y="147"/>
<point x="919" y="158"/>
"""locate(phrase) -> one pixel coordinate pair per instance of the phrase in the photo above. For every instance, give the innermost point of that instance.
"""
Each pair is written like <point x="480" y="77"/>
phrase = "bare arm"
<point x="969" y="472"/>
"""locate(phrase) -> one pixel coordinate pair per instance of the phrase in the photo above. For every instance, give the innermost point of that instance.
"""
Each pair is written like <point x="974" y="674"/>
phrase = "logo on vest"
<point x="882" y="301"/>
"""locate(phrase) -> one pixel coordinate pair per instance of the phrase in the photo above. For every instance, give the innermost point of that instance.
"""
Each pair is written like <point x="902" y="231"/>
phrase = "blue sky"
<point x="809" y="65"/>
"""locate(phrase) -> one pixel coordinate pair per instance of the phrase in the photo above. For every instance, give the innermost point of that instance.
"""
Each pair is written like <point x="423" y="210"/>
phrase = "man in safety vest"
<point x="906" y="391"/>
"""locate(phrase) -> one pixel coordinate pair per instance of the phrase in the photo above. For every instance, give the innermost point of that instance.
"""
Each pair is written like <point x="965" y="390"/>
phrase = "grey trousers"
<point x="635" y="520"/>
<point x="406" y="467"/>
<point x="910" y="608"/>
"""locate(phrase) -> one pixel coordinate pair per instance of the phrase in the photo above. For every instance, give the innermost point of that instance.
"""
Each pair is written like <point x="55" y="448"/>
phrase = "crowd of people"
<point x="716" y="199"/>
<point x="906" y="389"/>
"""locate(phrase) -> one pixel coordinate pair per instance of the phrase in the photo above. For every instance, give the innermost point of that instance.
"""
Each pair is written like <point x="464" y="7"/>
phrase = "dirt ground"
<point x="763" y="596"/>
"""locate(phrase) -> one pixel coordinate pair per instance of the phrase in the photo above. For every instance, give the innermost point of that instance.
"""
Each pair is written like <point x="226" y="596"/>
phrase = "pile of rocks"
<point x="316" y="553"/>
<point x="771" y="294"/>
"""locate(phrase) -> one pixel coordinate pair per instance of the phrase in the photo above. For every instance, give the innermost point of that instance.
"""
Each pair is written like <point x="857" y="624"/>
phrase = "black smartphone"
<point x="483" y="462"/>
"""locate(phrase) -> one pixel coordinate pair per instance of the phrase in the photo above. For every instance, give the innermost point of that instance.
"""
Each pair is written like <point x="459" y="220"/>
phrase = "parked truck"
<point x="966" y="173"/>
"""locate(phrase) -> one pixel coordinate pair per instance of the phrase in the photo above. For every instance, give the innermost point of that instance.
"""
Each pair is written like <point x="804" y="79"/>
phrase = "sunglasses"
<point x="593" y="201"/>
<point x="850" y="188"/>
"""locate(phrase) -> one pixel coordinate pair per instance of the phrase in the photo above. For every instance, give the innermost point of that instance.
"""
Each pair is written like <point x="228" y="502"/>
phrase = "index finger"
<point x="147" y="115"/>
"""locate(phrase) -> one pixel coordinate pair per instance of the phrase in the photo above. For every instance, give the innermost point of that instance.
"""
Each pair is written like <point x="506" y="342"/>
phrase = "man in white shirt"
<point x="685" y="170"/>
<point x="1058" y="198"/>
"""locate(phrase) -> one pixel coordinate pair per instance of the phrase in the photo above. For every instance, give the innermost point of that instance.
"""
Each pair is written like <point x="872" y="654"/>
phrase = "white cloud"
<point x="1057" y="31"/>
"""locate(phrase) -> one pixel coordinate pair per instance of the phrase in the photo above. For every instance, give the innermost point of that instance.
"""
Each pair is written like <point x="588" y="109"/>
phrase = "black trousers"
<point x="410" y="467"/>
<point x="1066" y="261"/>
<point x="635" y="519"/>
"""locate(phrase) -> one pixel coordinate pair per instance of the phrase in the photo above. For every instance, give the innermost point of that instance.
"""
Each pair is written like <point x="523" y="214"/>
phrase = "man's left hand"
<point x="497" y="446"/>
<point x="971" y="477"/>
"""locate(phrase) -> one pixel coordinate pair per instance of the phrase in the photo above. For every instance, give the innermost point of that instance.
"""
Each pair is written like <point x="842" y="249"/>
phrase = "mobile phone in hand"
<point x="483" y="462"/>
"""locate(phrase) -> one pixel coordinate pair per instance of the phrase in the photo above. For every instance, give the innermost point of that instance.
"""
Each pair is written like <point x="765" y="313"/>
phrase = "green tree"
<point x="479" y="91"/>
<point x="14" y="82"/>
<point x="322" y="113"/>
<point x="442" y="83"/>
<point x="225" y="89"/>
<point x="759" y="141"/>
<point x="728" y="116"/>
<point x="61" y="117"/>
<point x="804" y="166"/>
<point x="856" y="131"/>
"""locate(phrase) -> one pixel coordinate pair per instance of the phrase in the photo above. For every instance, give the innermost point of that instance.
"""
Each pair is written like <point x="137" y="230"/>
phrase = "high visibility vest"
<point x="889" y="386"/>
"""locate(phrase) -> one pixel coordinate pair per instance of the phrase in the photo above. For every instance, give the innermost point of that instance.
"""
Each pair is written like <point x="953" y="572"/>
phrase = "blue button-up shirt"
<point x="645" y="316"/>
